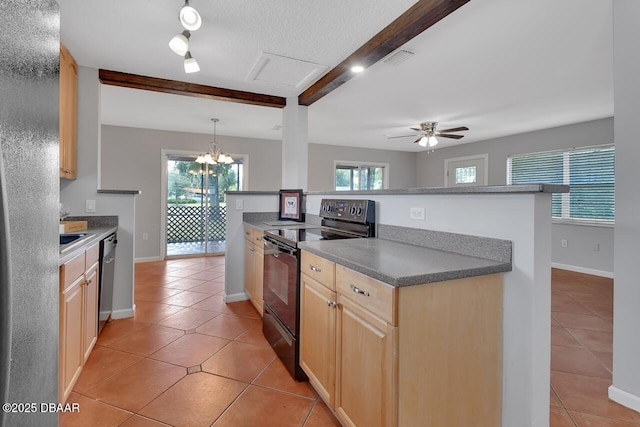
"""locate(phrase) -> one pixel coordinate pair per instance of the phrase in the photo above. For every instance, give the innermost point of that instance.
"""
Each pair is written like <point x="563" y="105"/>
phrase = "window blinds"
<point x="589" y="172"/>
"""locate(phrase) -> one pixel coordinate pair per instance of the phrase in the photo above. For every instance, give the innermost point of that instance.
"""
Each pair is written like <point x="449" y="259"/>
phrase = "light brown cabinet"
<point x="253" y="266"/>
<point x="78" y="331"/>
<point x="379" y="355"/>
<point x="68" y="115"/>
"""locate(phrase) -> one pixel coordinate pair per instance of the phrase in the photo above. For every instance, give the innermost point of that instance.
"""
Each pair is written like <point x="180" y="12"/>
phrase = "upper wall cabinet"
<point x="68" y="114"/>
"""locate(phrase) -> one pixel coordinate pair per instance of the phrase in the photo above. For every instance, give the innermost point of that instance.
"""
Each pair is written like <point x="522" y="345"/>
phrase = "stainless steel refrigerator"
<point x="29" y="210"/>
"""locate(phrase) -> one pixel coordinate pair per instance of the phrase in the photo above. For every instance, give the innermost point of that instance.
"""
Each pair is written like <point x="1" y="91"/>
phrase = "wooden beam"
<point x="134" y="81"/>
<point x="414" y="21"/>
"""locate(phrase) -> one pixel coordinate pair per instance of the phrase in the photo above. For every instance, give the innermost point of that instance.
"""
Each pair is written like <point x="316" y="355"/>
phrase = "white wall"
<point x="579" y="254"/>
<point x="402" y="165"/>
<point x="626" y="345"/>
<point x="74" y="193"/>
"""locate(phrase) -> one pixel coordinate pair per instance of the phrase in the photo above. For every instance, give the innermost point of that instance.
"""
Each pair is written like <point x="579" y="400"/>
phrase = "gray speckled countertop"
<point x="400" y="264"/>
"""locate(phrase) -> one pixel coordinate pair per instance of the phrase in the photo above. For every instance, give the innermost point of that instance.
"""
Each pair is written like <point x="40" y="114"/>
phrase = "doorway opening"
<point x="195" y="200"/>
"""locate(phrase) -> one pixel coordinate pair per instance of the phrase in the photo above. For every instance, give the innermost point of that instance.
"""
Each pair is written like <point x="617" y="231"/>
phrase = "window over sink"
<point x="360" y="176"/>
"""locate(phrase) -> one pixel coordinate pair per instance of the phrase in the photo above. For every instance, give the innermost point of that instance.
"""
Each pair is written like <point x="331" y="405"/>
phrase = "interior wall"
<point x="131" y="159"/>
<point x="402" y="165"/>
<point x="626" y="346"/>
<point x="582" y="241"/>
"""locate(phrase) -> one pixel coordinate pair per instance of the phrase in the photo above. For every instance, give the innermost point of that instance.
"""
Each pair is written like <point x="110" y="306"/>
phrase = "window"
<point x="360" y="176"/>
<point x="466" y="171"/>
<point x="588" y="171"/>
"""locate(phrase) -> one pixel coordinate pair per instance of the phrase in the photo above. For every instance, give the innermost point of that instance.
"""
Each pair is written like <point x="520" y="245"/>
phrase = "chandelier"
<point x="214" y="156"/>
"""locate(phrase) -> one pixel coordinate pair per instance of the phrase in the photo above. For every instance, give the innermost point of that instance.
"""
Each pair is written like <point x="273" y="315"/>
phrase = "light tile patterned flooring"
<point x="581" y="353"/>
<point x="189" y="359"/>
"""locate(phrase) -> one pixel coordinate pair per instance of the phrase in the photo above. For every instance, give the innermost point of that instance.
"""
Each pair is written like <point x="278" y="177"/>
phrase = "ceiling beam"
<point x="414" y="21"/>
<point x="134" y="81"/>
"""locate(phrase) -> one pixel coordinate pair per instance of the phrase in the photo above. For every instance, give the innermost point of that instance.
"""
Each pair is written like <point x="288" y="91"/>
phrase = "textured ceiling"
<point x="500" y="67"/>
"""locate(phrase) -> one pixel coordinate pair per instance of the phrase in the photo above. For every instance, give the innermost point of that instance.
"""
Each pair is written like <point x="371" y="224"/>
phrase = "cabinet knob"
<point x="332" y="304"/>
<point x="357" y="290"/>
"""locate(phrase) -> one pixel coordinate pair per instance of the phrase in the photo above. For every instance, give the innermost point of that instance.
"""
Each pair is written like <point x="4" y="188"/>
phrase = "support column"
<point x="295" y="145"/>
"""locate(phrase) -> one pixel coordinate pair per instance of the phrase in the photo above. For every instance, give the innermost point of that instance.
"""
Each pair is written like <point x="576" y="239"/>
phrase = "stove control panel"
<point x="360" y="211"/>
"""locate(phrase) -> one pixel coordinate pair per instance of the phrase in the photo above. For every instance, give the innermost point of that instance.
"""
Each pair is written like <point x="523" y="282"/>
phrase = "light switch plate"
<point x="90" y="206"/>
<point x="239" y="204"/>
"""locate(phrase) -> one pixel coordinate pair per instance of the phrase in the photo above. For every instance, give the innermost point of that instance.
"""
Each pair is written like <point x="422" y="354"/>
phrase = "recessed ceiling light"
<point x="357" y="69"/>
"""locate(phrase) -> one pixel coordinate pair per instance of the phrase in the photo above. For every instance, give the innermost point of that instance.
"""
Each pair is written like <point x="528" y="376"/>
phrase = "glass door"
<point x="196" y="205"/>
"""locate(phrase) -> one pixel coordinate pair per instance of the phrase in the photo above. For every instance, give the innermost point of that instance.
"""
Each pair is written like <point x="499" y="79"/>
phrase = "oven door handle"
<point x="278" y="247"/>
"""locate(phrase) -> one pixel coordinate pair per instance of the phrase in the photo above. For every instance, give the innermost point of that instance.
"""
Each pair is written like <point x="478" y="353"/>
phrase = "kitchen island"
<point x="520" y="214"/>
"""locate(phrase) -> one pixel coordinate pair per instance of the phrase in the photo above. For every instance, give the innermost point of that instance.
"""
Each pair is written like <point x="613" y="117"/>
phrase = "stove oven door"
<point x="280" y="283"/>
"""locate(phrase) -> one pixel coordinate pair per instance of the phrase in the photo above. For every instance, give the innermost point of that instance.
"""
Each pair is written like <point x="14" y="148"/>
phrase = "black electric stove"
<point x="341" y="219"/>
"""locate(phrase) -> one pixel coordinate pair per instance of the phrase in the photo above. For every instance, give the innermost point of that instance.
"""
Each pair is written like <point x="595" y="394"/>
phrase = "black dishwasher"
<point x="107" y="272"/>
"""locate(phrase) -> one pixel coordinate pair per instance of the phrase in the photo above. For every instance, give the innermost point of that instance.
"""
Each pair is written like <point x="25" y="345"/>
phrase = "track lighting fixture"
<point x="180" y="43"/>
<point x="190" y="64"/>
<point x="189" y="17"/>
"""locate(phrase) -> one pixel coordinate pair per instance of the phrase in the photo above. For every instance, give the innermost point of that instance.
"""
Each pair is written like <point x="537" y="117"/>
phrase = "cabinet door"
<point x="366" y="376"/>
<point x="90" y="314"/>
<point x="318" y="337"/>
<point x="249" y="268"/>
<point x="68" y="114"/>
<point x="71" y="351"/>
<point x="257" y="278"/>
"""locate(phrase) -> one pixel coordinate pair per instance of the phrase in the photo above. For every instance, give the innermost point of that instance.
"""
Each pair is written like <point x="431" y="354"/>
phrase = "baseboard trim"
<point x="235" y="297"/>
<point x="624" y="398"/>
<point x="147" y="259"/>
<point x="583" y="270"/>
<point x="123" y="314"/>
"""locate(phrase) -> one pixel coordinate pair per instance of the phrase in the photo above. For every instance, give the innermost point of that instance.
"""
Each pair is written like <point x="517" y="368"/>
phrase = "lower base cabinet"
<point x="422" y="355"/>
<point x="78" y="328"/>
<point x="253" y="266"/>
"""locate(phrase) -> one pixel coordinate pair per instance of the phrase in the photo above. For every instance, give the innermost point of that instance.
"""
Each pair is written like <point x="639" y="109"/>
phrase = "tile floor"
<point x="581" y="353"/>
<point x="188" y="359"/>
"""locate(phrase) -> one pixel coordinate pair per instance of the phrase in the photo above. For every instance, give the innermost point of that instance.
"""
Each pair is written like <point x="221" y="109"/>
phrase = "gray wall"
<point x="402" y="165"/>
<point x="579" y="254"/>
<point x="626" y="345"/>
<point x="131" y="159"/>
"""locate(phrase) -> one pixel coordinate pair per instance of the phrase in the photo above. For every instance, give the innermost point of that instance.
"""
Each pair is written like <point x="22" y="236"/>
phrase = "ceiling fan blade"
<point x="445" y="135"/>
<point x="416" y="129"/>
<point x="461" y="128"/>
<point x="417" y="140"/>
<point x="400" y="136"/>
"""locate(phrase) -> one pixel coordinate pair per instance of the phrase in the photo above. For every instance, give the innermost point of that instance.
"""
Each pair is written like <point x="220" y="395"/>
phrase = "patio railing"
<point x="187" y="223"/>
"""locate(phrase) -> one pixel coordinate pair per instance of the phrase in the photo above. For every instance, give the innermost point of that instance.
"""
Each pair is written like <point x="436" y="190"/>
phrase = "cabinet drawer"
<point x="373" y="295"/>
<point x="319" y="269"/>
<point x="70" y="271"/>
<point x="92" y="255"/>
<point x="254" y="235"/>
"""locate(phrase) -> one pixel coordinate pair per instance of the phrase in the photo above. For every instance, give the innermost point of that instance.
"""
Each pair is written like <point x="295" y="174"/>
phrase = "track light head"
<point x="189" y="17"/>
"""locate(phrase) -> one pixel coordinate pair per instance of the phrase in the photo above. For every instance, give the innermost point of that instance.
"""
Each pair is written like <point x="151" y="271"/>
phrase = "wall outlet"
<point x="416" y="213"/>
<point x="564" y="243"/>
<point x="145" y="236"/>
<point x="90" y="206"/>
<point x="239" y="204"/>
<point x="596" y="247"/>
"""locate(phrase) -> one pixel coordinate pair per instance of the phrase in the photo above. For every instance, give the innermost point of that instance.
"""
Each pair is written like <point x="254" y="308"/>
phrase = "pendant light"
<point x="214" y="156"/>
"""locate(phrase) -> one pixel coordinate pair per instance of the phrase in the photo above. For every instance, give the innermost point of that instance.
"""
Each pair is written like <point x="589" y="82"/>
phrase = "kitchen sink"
<point x="65" y="239"/>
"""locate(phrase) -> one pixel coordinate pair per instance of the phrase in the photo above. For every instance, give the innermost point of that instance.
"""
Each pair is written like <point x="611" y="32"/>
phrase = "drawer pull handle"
<point x="357" y="290"/>
<point x="314" y="268"/>
<point x="332" y="304"/>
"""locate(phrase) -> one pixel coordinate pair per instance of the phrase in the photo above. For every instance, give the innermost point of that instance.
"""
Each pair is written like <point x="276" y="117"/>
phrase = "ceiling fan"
<point x="427" y="132"/>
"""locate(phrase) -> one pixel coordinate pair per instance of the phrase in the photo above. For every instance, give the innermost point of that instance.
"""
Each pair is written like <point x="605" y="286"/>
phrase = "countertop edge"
<point x="498" y="267"/>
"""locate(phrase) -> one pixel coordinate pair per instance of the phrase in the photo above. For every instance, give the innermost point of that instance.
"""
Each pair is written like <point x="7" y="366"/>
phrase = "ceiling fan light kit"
<point x="427" y="132"/>
<point x="179" y="44"/>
